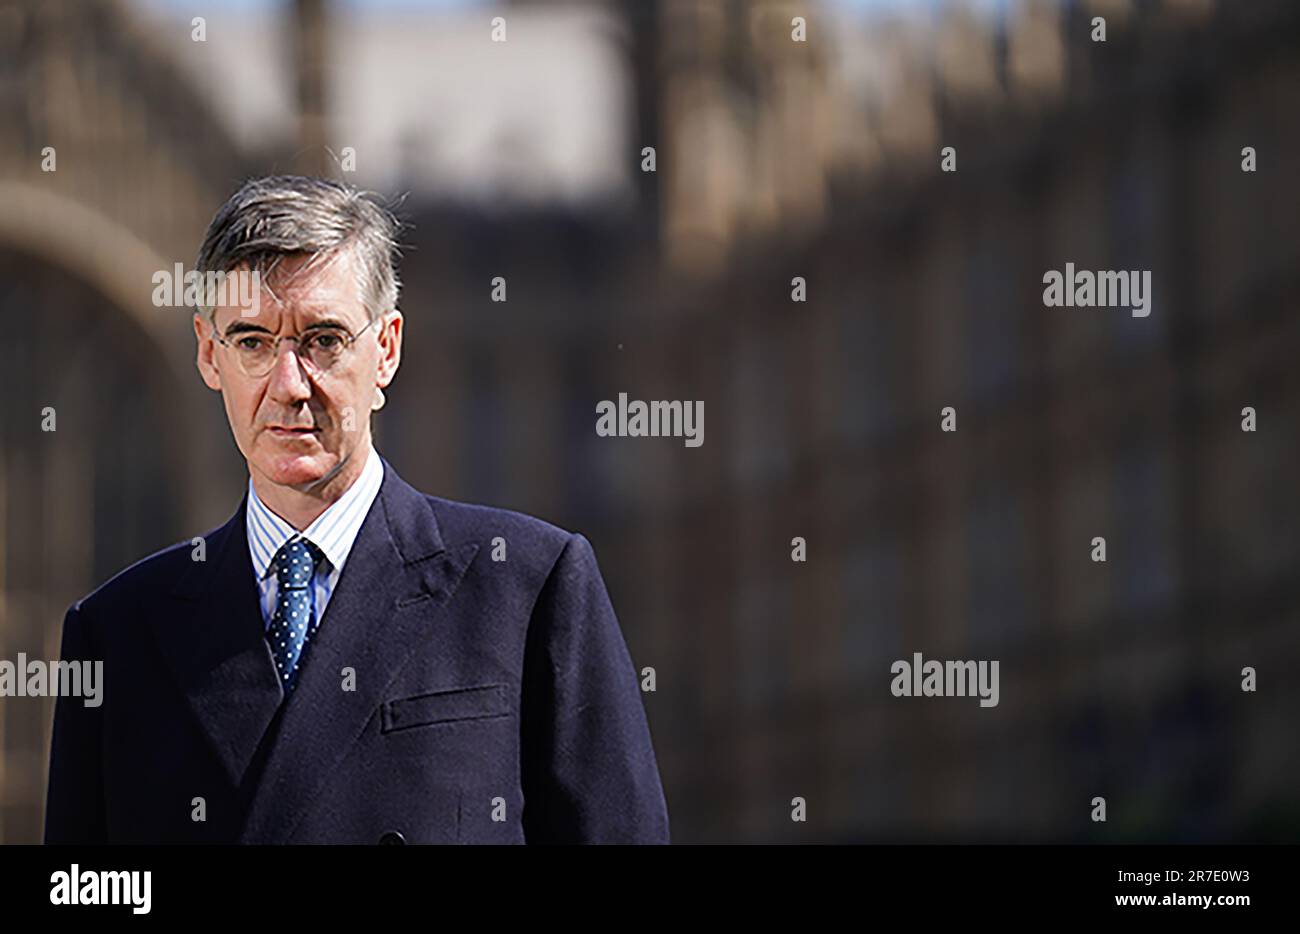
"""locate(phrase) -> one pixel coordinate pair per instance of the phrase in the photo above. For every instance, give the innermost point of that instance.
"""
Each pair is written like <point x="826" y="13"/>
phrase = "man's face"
<point x="298" y="426"/>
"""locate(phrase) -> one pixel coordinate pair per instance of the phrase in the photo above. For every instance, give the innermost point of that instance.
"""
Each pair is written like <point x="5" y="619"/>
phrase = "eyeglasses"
<point x="323" y="349"/>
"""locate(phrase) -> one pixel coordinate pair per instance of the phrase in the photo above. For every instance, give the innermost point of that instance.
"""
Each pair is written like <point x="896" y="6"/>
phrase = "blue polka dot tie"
<point x="293" y="621"/>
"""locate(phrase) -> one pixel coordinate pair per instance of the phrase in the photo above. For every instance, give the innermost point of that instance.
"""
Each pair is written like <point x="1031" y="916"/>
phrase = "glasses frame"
<point x="275" y="348"/>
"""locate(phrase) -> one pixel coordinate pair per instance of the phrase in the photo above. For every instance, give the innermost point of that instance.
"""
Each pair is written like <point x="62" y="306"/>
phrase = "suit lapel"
<point x="392" y="593"/>
<point x="214" y="643"/>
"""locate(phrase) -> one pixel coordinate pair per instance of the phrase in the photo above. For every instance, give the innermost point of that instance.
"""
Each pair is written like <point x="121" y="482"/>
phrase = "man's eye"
<point x="327" y="341"/>
<point x="250" y="343"/>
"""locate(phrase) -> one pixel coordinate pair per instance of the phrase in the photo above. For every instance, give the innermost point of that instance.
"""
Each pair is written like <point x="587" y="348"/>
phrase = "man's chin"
<point x="298" y="469"/>
<point x="297" y="472"/>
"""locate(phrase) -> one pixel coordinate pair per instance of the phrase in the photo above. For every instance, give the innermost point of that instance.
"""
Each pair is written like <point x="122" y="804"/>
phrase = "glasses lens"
<point x="324" y="349"/>
<point x="256" y="354"/>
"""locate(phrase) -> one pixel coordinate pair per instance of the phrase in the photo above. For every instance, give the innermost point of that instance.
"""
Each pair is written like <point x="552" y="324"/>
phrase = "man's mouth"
<point x="282" y="432"/>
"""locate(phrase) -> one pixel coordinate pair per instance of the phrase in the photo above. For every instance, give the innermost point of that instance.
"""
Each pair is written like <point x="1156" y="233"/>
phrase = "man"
<point x="344" y="661"/>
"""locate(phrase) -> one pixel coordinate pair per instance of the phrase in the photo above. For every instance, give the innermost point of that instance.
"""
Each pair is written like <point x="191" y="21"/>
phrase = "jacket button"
<point x="392" y="838"/>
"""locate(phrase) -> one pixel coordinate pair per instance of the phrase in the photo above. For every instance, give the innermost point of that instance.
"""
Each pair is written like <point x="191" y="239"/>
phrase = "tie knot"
<point x="295" y="563"/>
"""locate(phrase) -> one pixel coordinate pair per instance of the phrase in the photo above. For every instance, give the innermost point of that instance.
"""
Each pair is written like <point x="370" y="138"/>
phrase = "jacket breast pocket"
<point x="449" y="706"/>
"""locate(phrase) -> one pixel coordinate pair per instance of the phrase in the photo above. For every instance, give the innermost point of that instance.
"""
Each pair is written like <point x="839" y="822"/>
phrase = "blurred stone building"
<point x="775" y="160"/>
<point x="924" y="290"/>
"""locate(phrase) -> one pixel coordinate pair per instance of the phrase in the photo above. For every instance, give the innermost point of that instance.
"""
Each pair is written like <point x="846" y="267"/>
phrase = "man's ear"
<point x="390" y="348"/>
<point x="203" y="360"/>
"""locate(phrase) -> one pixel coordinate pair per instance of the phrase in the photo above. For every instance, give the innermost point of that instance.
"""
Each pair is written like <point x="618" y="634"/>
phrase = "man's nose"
<point x="288" y="382"/>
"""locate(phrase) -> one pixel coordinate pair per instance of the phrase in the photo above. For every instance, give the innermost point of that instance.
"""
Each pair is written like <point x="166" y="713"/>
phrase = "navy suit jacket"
<point x="491" y="701"/>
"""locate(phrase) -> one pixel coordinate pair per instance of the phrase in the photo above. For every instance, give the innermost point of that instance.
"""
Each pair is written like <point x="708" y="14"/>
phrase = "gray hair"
<point x="280" y="215"/>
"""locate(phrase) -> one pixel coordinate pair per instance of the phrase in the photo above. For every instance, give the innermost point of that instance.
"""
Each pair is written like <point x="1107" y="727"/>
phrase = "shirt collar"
<point x="334" y="531"/>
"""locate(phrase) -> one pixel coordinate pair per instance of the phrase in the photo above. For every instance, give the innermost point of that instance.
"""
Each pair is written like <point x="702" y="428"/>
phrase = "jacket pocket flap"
<point x="473" y="703"/>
